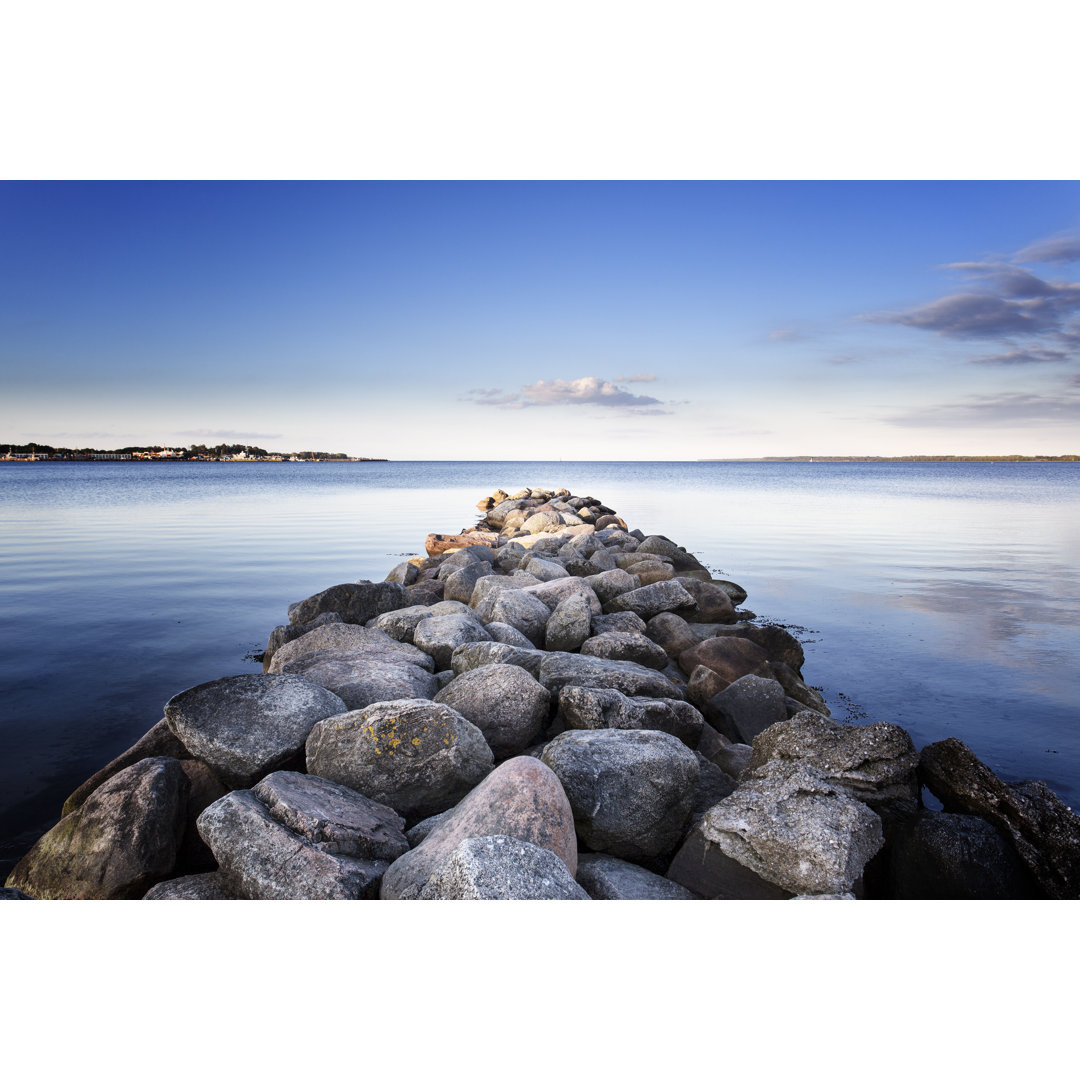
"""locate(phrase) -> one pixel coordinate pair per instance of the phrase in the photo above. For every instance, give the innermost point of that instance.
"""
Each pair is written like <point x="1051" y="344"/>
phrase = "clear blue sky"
<point x="589" y="320"/>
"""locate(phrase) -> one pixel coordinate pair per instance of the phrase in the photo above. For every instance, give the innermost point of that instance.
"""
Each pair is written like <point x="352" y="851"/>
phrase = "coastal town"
<point x="222" y="452"/>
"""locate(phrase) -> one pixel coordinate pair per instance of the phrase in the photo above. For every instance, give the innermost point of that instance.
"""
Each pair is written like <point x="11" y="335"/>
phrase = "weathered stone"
<point x="546" y="569"/>
<point x="360" y="679"/>
<point x="508" y="635"/>
<point x="420" y="831"/>
<point x="553" y="593"/>
<point x="436" y="543"/>
<point x="569" y="624"/>
<point x="522" y="798"/>
<point x="350" y="638"/>
<point x="621" y="622"/>
<point x="333" y="818"/>
<point x="567" y="669"/>
<point x="281" y="635"/>
<point x="265" y="860"/>
<point x="873" y="762"/>
<point x="790" y="827"/>
<point x="602" y="559"/>
<point x="159" y="741"/>
<point x="504" y="701"/>
<point x="244" y="726"/>
<point x="415" y="756"/>
<point x="355" y="602"/>
<point x="650" y="571"/>
<point x="956" y="857"/>
<point x="460" y="584"/>
<point x="703" y="868"/>
<point x="650" y="600"/>
<point x="736" y="592"/>
<point x="794" y="687"/>
<point x="478" y="653"/>
<point x="542" y="521"/>
<point x="497" y="583"/>
<point x="671" y="632"/>
<point x="425" y="591"/>
<point x="730" y="657"/>
<point x="586" y="708"/>
<point x="713" y="786"/>
<point x="401" y="624"/>
<point x="703" y="686"/>
<point x="734" y="759"/>
<point x="123" y="839"/>
<point x="441" y="635"/>
<point x="204" y="788"/>
<point x="209" y="886"/>
<point x="404" y="573"/>
<point x="631" y="791"/>
<point x="606" y="878"/>
<point x="711" y="603"/>
<point x="781" y="645"/>
<point x="1044" y="831"/>
<point x="516" y="607"/>
<point x="613" y="645"/>
<point x="660" y="545"/>
<point x="501" y="868"/>
<point x="747" y="707"/>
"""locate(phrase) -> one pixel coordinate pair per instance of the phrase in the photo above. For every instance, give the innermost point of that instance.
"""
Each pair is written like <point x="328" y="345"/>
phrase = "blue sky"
<point x="589" y="320"/>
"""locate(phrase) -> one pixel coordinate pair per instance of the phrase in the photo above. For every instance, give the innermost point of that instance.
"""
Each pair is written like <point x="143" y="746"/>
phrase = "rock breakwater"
<point x="549" y="704"/>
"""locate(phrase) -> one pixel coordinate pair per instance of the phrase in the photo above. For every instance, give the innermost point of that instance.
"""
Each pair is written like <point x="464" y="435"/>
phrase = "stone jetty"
<point x="549" y="704"/>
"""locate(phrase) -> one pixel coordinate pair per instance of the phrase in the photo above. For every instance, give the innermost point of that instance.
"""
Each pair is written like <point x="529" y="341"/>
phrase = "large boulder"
<point x="504" y="701"/>
<point x="244" y="726"/>
<point x="416" y="756"/>
<point x="282" y="635"/>
<point x="519" y="609"/>
<point x="711" y="603"/>
<point x="593" y="709"/>
<point x="568" y="669"/>
<point x="680" y="558"/>
<point x="1043" y="830"/>
<point x="616" y="645"/>
<point x="611" y="583"/>
<point x="620" y="622"/>
<point x="631" y="791"/>
<point x="604" y="877"/>
<point x="355" y="603"/>
<point x="441" y="635"/>
<point x="874" y="762"/>
<point x="350" y="638"/>
<point x="401" y="624"/>
<point x="956" y="857"/>
<point x="263" y="859"/>
<point x="480" y="653"/>
<point x="360" y="679"/>
<point x="650" y="600"/>
<point x="121" y="841"/>
<point x="213" y="885"/>
<point x="460" y="584"/>
<point x="501" y="868"/>
<point x="787" y="832"/>
<point x="671" y="632"/>
<point x="522" y="798"/>
<point x="569" y="624"/>
<point x="730" y="657"/>
<point x="747" y="707"/>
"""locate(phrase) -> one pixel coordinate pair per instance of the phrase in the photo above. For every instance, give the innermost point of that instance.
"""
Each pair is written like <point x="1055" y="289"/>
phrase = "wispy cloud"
<point x="1025" y="356"/>
<point x="588" y="390"/>
<point x="1063" y="248"/>
<point x="994" y="410"/>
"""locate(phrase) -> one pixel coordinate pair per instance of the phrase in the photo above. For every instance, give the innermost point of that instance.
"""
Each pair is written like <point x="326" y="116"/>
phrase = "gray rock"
<point x="671" y="632"/>
<point x="790" y="828"/>
<point x="794" y="687"/>
<point x="415" y="756"/>
<point x="730" y="657"/>
<point x="359" y="679"/>
<point x="713" y="786"/>
<point x="522" y="798"/>
<point x="616" y="645"/>
<point x="1043" y="830"/>
<point x="209" y="886"/>
<point x="159" y="741"/>
<point x="422" y="829"/>
<point x="350" y="638"/>
<point x="265" y="860"/>
<point x="874" y="762"/>
<point x="631" y="792"/>
<point x="244" y="726"/>
<point x="956" y="857"/>
<point x="281" y="635"/>
<point x="486" y="587"/>
<point x="734" y="759"/>
<point x="660" y="545"/>
<point x="591" y="709"/>
<point x="650" y="600"/>
<point x="711" y="603"/>
<point x="478" y="653"/>
<point x="569" y="624"/>
<point x="516" y="607"/>
<point x="441" y="635"/>
<point x="508" y="635"/>
<point x="606" y="878"/>
<point x="546" y="569"/>
<point x="333" y="818"/>
<point x="404" y="573"/>
<point x="504" y="701"/>
<point x="460" y="584"/>
<point x="401" y="624"/>
<point x="355" y="603"/>
<point x="567" y="669"/>
<point x="501" y="868"/>
<point x="121" y="841"/>
<point x="622" y="622"/>
<point x="542" y="521"/>
<point x="553" y="593"/>
<point x="611" y="583"/>
<point x="736" y="592"/>
<point x="603" y="559"/>
<point x="748" y="706"/>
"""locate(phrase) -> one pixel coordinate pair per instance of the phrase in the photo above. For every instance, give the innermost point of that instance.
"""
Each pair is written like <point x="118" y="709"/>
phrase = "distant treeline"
<point x="200" y="451"/>
<point x="917" y="457"/>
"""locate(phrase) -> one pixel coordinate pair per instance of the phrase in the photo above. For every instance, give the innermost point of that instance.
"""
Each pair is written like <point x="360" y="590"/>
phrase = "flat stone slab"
<point x="355" y="602"/>
<point x="570" y="669"/>
<point x="361" y="679"/>
<point x="348" y="637"/>
<point x="244" y="726"/>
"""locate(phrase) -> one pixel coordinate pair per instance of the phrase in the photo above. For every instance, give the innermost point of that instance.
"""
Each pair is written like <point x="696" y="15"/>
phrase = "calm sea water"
<point x="943" y="597"/>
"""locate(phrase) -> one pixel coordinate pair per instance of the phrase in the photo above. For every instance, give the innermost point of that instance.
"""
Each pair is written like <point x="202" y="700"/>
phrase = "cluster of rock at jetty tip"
<point x="547" y="705"/>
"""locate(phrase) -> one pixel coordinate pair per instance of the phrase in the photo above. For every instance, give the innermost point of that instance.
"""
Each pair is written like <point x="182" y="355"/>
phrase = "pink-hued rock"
<point x="729" y="657"/>
<point x="521" y="798"/>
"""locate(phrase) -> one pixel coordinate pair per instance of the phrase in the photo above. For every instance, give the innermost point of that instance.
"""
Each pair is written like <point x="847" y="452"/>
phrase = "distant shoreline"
<point x="912" y="458"/>
<point x="110" y="458"/>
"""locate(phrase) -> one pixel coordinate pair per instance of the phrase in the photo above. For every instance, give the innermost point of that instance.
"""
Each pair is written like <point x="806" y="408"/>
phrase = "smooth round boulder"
<point x="349" y="637"/>
<point x="416" y="756"/>
<point x="615" y="645"/>
<point x="442" y="634"/>
<point x="730" y="657"/>
<point x="650" y="600"/>
<point x="361" y="679"/>
<point x="632" y="792"/>
<point x="504" y="701"/>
